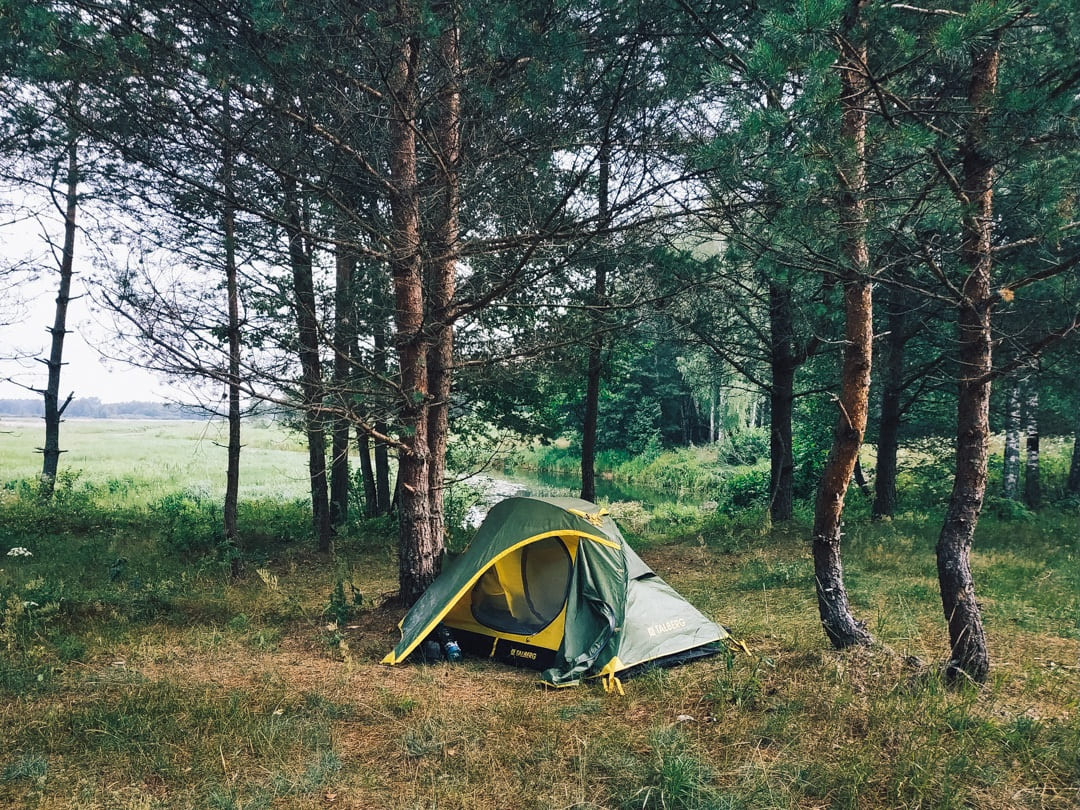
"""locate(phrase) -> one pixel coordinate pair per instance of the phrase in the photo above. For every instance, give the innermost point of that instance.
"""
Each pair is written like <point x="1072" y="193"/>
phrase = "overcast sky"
<point x="88" y="374"/>
<point x="32" y="308"/>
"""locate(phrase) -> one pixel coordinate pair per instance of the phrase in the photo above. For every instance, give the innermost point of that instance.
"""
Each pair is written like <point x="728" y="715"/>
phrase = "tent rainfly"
<point x="550" y="583"/>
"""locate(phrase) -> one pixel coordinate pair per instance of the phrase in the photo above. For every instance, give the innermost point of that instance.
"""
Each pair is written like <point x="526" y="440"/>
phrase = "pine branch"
<point x="1032" y="351"/>
<point x="1007" y="292"/>
<point x="942" y="12"/>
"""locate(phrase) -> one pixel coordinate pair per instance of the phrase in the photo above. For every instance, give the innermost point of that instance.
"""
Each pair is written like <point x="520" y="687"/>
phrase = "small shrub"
<point x="1007" y="509"/>
<point x="69" y="648"/>
<point x="27" y="513"/>
<point x="399" y="705"/>
<point x="743" y="490"/>
<point x="268" y="522"/>
<point x="341" y="606"/>
<point x="746" y="447"/>
<point x="239" y="623"/>
<point x="734" y="685"/>
<point x="676" y="516"/>
<point x="631" y="516"/>
<point x="188" y="523"/>
<point x="147" y="600"/>
<point x="428" y="738"/>
<point x="675" y="779"/>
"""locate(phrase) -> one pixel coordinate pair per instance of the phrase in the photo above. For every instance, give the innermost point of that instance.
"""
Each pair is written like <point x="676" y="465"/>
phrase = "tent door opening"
<point x="525" y="591"/>
<point x="517" y="607"/>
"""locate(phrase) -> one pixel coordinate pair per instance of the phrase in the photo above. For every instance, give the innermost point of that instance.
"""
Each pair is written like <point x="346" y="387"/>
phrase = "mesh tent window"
<point x="525" y="591"/>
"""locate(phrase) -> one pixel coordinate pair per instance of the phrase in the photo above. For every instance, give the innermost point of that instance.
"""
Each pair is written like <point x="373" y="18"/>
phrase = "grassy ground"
<point x="143" y="678"/>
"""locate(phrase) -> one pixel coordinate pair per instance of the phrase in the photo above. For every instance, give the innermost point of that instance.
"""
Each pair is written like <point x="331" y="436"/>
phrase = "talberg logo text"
<point x="516" y="653"/>
<point x="666" y="627"/>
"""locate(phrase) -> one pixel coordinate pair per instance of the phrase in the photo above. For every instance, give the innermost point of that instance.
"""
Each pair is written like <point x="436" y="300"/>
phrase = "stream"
<point x="497" y="486"/>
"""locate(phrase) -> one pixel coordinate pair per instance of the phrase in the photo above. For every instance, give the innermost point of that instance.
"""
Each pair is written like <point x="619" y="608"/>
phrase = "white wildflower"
<point x="28" y="605"/>
<point x="19" y="551"/>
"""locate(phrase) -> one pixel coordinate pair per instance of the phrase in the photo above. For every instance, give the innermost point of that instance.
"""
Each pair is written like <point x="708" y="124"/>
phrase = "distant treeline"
<point x="94" y="408"/>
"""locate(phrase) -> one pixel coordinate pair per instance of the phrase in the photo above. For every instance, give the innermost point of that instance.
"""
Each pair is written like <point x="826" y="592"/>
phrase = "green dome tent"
<point x="551" y="583"/>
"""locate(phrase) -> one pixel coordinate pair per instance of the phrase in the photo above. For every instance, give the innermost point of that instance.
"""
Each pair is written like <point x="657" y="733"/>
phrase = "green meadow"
<point x="140" y="460"/>
<point x="135" y="674"/>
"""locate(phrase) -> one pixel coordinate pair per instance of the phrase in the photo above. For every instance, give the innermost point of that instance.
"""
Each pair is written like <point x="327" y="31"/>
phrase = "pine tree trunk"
<point x="967" y="639"/>
<point x="1010" y="468"/>
<point x="840" y="626"/>
<point x="371" y="502"/>
<point x="842" y="629"/>
<point x="1072" y="486"/>
<point x="889" y="420"/>
<point x="232" y="471"/>
<point x="589" y="421"/>
<point x="54" y="411"/>
<point x="781" y="399"/>
<point x="594" y="368"/>
<point x="721" y="409"/>
<point x="419" y="549"/>
<point x="1032" y="488"/>
<point x="712" y="414"/>
<point x="344" y="340"/>
<point x="859" y="477"/>
<point x="310" y="366"/>
<point x="442" y="271"/>
<point x="381" y="504"/>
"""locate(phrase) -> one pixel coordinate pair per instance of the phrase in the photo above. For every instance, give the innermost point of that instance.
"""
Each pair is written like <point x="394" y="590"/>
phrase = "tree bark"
<point x="889" y="420"/>
<point x="381" y="504"/>
<point x="371" y="502"/>
<point x="841" y="628"/>
<point x="1010" y="467"/>
<point x="1032" y="488"/>
<point x="419" y="549"/>
<point x="344" y="340"/>
<point x="594" y="367"/>
<point x="310" y="365"/>
<point x="1072" y="486"/>
<point x="782" y="363"/>
<point x="442" y="270"/>
<point x="859" y="477"/>
<point x="967" y="639"/>
<point x="712" y="414"/>
<point x="54" y="410"/>
<point x="232" y="471"/>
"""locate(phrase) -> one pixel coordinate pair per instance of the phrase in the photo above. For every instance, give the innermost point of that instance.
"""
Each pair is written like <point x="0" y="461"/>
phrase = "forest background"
<point x="668" y="240"/>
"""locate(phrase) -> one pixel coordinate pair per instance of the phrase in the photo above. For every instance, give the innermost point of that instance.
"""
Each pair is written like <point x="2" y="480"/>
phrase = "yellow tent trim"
<point x="595" y="518"/>
<point x="607" y="676"/>
<point x="566" y="685"/>
<point x="392" y="659"/>
<point x="738" y="644"/>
